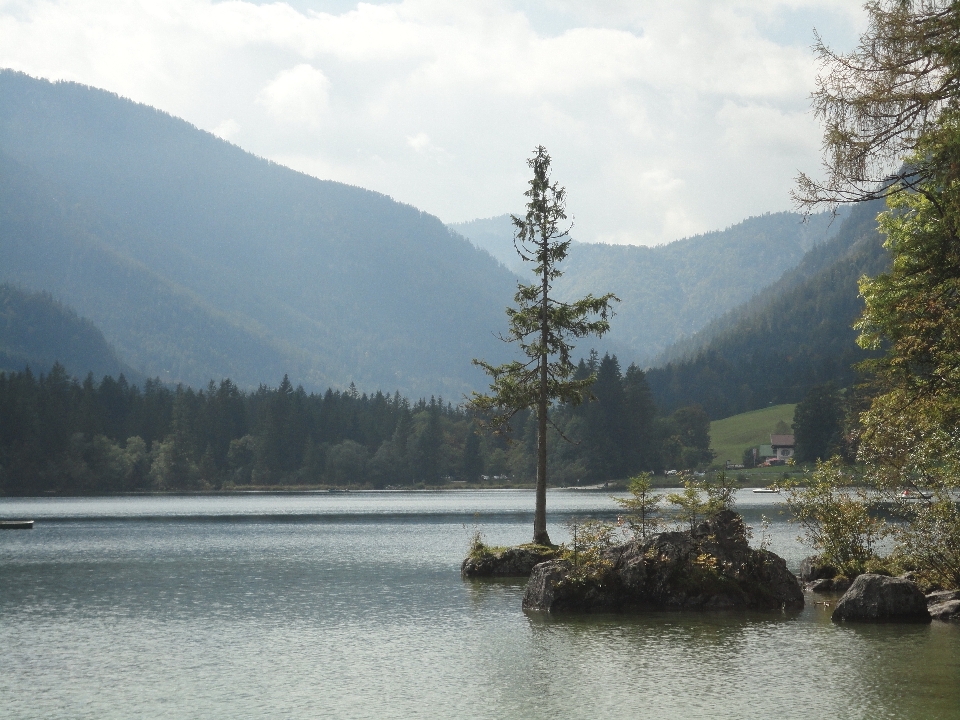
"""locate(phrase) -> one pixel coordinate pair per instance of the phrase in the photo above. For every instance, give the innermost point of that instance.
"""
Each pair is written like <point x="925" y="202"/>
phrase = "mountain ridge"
<point x="670" y="291"/>
<point x="37" y="332"/>
<point x="330" y="283"/>
<point x="792" y="336"/>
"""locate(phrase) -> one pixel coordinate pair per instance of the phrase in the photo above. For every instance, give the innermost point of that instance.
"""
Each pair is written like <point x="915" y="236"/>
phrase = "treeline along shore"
<point x="59" y="434"/>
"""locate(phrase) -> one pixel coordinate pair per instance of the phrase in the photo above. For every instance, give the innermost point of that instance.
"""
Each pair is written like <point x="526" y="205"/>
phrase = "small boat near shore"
<point x="766" y="490"/>
<point x="16" y="524"/>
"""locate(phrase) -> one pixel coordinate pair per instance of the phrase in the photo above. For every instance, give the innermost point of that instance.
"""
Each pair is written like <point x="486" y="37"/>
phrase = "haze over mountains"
<point x="795" y="334"/>
<point x="38" y="331"/>
<point x="670" y="291"/>
<point x="199" y="261"/>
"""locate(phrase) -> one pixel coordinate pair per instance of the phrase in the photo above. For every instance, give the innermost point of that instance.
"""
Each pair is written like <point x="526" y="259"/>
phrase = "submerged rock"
<point x="508" y="562"/>
<point x="878" y="598"/>
<point x="712" y="567"/>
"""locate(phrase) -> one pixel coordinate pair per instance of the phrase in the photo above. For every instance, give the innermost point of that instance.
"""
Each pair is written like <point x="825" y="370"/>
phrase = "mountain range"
<point x="671" y="291"/>
<point x="199" y="261"/>
<point x="793" y="335"/>
<point x="37" y="331"/>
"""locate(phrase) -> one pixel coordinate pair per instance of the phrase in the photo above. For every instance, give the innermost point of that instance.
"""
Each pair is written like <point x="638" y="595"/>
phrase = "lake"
<point x="351" y="606"/>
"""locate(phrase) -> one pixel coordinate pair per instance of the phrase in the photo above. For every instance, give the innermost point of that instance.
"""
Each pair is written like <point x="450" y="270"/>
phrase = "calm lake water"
<point x="352" y="606"/>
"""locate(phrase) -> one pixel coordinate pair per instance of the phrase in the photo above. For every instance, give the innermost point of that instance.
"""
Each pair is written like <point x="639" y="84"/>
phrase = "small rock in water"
<point x="946" y="611"/>
<point x="823" y="585"/>
<point x="944" y="605"/>
<point x="510" y="562"/>
<point x="942" y="596"/>
<point x="812" y="569"/>
<point x="826" y="585"/>
<point x="878" y="598"/>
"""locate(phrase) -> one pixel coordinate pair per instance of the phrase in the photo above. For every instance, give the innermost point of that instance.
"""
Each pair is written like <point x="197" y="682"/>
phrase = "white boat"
<point x="766" y="490"/>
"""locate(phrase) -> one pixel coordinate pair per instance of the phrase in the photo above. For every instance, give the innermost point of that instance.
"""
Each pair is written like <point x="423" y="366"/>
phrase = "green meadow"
<point x="731" y="436"/>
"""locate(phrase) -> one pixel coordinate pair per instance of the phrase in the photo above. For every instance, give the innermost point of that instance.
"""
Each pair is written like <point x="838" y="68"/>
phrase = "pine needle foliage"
<point x="542" y="326"/>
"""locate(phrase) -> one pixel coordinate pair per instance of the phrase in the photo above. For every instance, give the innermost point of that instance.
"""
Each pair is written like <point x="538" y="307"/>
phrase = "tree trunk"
<point x="540" y="535"/>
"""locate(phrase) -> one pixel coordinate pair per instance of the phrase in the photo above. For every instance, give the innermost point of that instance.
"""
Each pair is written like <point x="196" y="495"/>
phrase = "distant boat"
<point x="16" y="524"/>
<point x="766" y="490"/>
<point x="910" y="494"/>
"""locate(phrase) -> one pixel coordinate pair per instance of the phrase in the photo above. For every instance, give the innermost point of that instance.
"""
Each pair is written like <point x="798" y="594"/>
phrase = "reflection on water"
<point x="352" y="606"/>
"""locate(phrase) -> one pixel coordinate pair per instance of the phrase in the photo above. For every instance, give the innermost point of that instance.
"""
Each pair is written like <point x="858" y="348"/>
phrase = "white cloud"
<point x="297" y="96"/>
<point x="229" y="130"/>
<point x="663" y="118"/>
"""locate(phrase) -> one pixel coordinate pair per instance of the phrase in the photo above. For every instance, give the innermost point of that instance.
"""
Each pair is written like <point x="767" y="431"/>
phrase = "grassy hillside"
<point x="670" y="291"/>
<point x="198" y="260"/>
<point x="731" y="436"/>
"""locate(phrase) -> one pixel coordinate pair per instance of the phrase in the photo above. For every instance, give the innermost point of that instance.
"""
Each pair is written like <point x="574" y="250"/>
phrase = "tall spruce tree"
<point x="541" y="325"/>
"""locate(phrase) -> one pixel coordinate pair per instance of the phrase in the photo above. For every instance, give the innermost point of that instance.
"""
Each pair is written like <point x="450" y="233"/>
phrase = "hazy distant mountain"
<point x="495" y="235"/>
<point x="670" y="291"/>
<point x="793" y="335"/>
<point x="37" y="331"/>
<point x="199" y="260"/>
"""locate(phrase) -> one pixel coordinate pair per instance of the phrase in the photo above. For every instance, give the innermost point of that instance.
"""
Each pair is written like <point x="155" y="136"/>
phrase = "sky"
<point x="664" y="119"/>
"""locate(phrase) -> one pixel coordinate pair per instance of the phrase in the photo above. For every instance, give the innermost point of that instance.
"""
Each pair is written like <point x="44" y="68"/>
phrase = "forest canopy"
<point x="60" y="434"/>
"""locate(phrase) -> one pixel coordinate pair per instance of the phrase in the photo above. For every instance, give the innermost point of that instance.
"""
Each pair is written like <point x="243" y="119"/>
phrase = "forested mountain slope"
<point x="199" y="260"/>
<point x="793" y="335"/>
<point x="671" y="291"/>
<point x="37" y="331"/>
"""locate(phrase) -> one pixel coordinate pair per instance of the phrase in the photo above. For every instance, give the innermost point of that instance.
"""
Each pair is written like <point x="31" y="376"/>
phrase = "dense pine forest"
<point x="61" y="435"/>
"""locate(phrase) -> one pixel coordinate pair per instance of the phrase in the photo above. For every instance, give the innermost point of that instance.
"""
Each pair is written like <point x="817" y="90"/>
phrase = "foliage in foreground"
<point x="839" y="517"/>
<point x="892" y="130"/>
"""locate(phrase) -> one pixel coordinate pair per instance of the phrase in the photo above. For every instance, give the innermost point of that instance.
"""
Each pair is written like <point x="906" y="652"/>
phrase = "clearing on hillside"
<point x="731" y="436"/>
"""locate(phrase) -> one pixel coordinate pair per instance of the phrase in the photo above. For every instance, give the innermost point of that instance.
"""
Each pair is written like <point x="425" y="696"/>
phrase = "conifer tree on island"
<point x="541" y="325"/>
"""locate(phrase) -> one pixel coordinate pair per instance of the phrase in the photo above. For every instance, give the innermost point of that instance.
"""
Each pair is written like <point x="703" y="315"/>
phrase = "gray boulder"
<point x="878" y="598"/>
<point x="944" y="605"/>
<point x="509" y="562"/>
<point x="942" y="596"/>
<point x="711" y="568"/>
<point x="811" y="568"/>
<point x="945" y="611"/>
<point x="830" y="585"/>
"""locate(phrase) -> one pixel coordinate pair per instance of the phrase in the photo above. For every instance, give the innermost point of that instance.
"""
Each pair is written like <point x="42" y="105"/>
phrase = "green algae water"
<point x="352" y="606"/>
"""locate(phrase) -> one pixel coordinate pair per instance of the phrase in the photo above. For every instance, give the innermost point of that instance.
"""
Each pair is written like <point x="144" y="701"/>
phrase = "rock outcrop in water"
<point x="830" y="585"/>
<point x="944" y="605"/>
<point x="878" y="598"/>
<point x="812" y="569"/>
<point x="710" y="568"/>
<point x="506" y="562"/>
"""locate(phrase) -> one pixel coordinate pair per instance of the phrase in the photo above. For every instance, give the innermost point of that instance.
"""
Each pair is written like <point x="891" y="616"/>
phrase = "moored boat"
<point x="16" y="524"/>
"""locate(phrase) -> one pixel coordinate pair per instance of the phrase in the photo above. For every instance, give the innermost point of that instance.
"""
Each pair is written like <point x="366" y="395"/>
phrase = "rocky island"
<point x="710" y="567"/>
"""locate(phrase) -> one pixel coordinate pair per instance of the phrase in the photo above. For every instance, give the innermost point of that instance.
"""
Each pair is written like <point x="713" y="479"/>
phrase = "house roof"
<point x="781" y="440"/>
